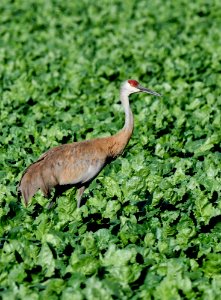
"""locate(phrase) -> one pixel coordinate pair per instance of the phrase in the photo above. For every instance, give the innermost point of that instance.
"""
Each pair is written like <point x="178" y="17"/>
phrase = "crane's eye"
<point x="133" y="83"/>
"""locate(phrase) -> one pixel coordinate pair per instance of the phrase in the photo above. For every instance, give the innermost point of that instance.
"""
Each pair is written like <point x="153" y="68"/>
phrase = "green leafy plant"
<point x="150" y="228"/>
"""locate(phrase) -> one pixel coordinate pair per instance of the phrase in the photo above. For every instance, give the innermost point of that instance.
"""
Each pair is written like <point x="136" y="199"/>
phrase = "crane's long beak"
<point x="148" y="91"/>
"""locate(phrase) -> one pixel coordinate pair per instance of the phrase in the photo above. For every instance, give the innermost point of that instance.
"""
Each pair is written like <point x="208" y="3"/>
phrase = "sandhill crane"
<point x="78" y="163"/>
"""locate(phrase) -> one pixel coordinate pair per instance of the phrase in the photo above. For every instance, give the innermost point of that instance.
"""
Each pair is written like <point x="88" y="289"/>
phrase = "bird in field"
<point x="78" y="163"/>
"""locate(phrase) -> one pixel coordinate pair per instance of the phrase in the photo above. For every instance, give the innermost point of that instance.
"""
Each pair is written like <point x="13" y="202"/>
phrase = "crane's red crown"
<point x="133" y="83"/>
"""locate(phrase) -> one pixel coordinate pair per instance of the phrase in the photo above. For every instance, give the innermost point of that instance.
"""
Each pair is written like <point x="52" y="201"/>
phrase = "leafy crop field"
<point x="151" y="224"/>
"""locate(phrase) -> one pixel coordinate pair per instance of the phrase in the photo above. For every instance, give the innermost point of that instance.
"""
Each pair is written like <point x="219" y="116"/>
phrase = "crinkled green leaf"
<point x="46" y="260"/>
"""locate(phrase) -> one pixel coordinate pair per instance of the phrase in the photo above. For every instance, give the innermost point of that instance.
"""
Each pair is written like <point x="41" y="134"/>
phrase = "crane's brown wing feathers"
<point x="75" y="163"/>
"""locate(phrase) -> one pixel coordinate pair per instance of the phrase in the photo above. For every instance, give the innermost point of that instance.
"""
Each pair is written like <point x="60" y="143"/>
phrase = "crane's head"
<point x="132" y="86"/>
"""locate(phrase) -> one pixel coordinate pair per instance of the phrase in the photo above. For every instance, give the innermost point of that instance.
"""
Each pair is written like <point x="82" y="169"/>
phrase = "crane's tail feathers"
<point x="30" y="182"/>
<point x="27" y="191"/>
<point x="36" y="176"/>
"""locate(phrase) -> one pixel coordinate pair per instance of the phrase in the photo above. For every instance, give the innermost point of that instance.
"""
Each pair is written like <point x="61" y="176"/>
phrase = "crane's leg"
<point x="47" y="194"/>
<point x="79" y="195"/>
<point x="58" y="191"/>
<point x="52" y="202"/>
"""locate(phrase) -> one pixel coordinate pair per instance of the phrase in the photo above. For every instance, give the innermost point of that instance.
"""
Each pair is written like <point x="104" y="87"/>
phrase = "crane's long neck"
<point x="118" y="142"/>
<point x="129" y="120"/>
